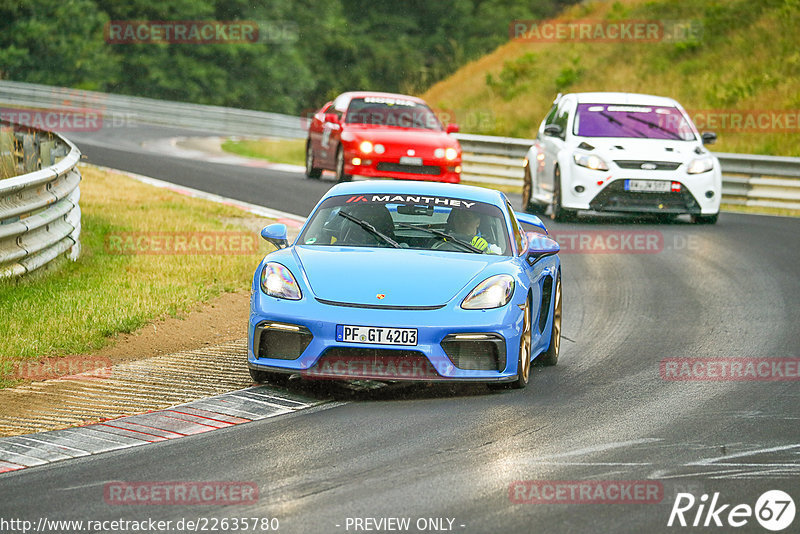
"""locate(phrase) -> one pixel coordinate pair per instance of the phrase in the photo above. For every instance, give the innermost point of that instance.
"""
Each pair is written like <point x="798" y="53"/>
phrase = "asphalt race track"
<point x="605" y="413"/>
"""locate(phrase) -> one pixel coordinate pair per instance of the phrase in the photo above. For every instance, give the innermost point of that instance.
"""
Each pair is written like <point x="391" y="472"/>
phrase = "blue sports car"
<point x="407" y="281"/>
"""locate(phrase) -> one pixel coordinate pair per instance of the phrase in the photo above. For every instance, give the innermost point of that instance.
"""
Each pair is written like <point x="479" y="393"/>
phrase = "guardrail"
<point x="40" y="218"/>
<point x="747" y="179"/>
<point x="119" y="110"/>
<point x="750" y="180"/>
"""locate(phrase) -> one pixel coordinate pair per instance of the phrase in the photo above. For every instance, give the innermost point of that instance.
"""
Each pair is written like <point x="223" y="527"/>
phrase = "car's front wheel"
<point x="528" y="204"/>
<point x="311" y="171"/>
<point x="550" y="356"/>
<point x="524" y="359"/>
<point x="340" y="174"/>
<point x="557" y="211"/>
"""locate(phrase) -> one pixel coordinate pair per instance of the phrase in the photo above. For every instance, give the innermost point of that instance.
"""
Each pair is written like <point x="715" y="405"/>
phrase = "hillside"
<point x="741" y="59"/>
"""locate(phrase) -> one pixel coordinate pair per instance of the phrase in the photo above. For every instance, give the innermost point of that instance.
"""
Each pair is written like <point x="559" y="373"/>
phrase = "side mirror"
<point x="332" y="117"/>
<point x="276" y="234"/>
<point x="709" y="138"/>
<point x="540" y="246"/>
<point x="533" y="220"/>
<point x="553" y="130"/>
<point x="451" y="128"/>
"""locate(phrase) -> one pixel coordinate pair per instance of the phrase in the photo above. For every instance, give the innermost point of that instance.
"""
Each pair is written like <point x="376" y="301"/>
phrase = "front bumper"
<point x="586" y="189"/>
<point x="430" y="170"/>
<point x="315" y="352"/>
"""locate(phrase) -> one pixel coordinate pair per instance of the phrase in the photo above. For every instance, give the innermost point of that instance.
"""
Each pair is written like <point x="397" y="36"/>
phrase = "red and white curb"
<point x="197" y="417"/>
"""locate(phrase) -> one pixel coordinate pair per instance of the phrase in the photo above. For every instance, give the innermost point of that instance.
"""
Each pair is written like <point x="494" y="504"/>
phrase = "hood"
<point x="406" y="277"/>
<point x="642" y="149"/>
<point x="402" y="136"/>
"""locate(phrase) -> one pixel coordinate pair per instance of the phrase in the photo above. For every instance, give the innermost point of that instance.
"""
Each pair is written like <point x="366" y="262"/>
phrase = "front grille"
<point x="410" y="169"/>
<point x="280" y="344"/>
<point x="375" y="364"/>
<point x="486" y="354"/>
<point x="615" y="198"/>
<point x="637" y="164"/>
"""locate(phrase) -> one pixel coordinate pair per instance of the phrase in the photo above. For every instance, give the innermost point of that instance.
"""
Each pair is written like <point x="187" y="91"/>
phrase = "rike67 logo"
<point x="774" y="510"/>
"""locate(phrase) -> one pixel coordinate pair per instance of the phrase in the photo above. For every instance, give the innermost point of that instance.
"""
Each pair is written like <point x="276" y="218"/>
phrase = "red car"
<point x="381" y="135"/>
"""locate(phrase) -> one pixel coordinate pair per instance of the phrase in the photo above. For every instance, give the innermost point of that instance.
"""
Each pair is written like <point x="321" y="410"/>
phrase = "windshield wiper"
<point x="657" y="126"/>
<point x="614" y="120"/>
<point x="444" y="236"/>
<point x="371" y="229"/>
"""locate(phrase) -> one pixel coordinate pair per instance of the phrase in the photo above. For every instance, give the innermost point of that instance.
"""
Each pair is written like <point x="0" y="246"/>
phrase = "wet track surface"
<point x="604" y="413"/>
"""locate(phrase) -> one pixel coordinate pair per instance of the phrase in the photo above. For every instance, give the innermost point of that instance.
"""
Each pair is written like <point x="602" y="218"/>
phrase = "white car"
<point x="621" y="152"/>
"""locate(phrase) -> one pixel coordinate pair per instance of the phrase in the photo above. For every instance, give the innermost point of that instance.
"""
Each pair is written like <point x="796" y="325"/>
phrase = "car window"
<point x="412" y="221"/>
<point x="562" y="116"/>
<point x="391" y="111"/>
<point x="551" y="115"/>
<point x="515" y="227"/>
<point x="650" y="122"/>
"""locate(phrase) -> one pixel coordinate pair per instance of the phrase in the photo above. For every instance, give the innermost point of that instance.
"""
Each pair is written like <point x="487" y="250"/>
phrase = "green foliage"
<point x="569" y="74"/>
<point x="515" y="77"/>
<point x="326" y="48"/>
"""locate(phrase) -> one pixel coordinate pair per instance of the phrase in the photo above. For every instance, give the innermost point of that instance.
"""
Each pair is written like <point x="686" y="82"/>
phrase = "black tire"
<point x="558" y="213"/>
<point x="705" y="219"/>
<point x="311" y="172"/>
<point x="528" y="204"/>
<point x="550" y="356"/>
<point x="260" y="377"/>
<point x="340" y="175"/>
<point x="524" y="358"/>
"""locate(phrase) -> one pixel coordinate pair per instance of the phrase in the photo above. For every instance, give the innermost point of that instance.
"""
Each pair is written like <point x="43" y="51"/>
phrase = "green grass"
<point x="744" y="56"/>
<point x="291" y="151"/>
<point x="79" y="306"/>
<point x="762" y="210"/>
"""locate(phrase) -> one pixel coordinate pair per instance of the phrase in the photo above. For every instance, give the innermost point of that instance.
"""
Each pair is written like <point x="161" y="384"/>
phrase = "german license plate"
<point x="648" y="186"/>
<point x="408" y="160"/>
<point x="376" y="335"/>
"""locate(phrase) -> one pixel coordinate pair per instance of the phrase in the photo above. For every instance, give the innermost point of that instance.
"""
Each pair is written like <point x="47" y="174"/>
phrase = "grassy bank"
<point x="79" y="306"/>
<point x="739" y="56"/>
<point x="291" y="151"/>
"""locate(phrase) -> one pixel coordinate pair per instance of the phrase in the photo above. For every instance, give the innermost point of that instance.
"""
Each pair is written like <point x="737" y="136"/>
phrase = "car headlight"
<point x="380" y="149"/>
<point x="277" y="281"/>
<point x="493" y="292"/>
<point x="590" y="161"/>
<point x="365" y="147"/>
<point x="700" y="165"/>
<point x="450" y="154"/>
<point x="438" y="153"/>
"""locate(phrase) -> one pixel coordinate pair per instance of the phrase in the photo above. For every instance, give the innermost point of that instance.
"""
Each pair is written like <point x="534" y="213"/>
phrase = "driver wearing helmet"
<point x="464" y="225"/>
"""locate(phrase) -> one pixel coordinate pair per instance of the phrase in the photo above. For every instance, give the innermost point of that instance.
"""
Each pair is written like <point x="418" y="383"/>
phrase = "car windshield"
<point x="390" y="111"/>
<point x="647" y="122"/>
<point x="408" y="221"/>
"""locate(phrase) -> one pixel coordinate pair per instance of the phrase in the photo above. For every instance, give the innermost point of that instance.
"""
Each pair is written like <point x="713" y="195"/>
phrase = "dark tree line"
<point x="312" y="50"/>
